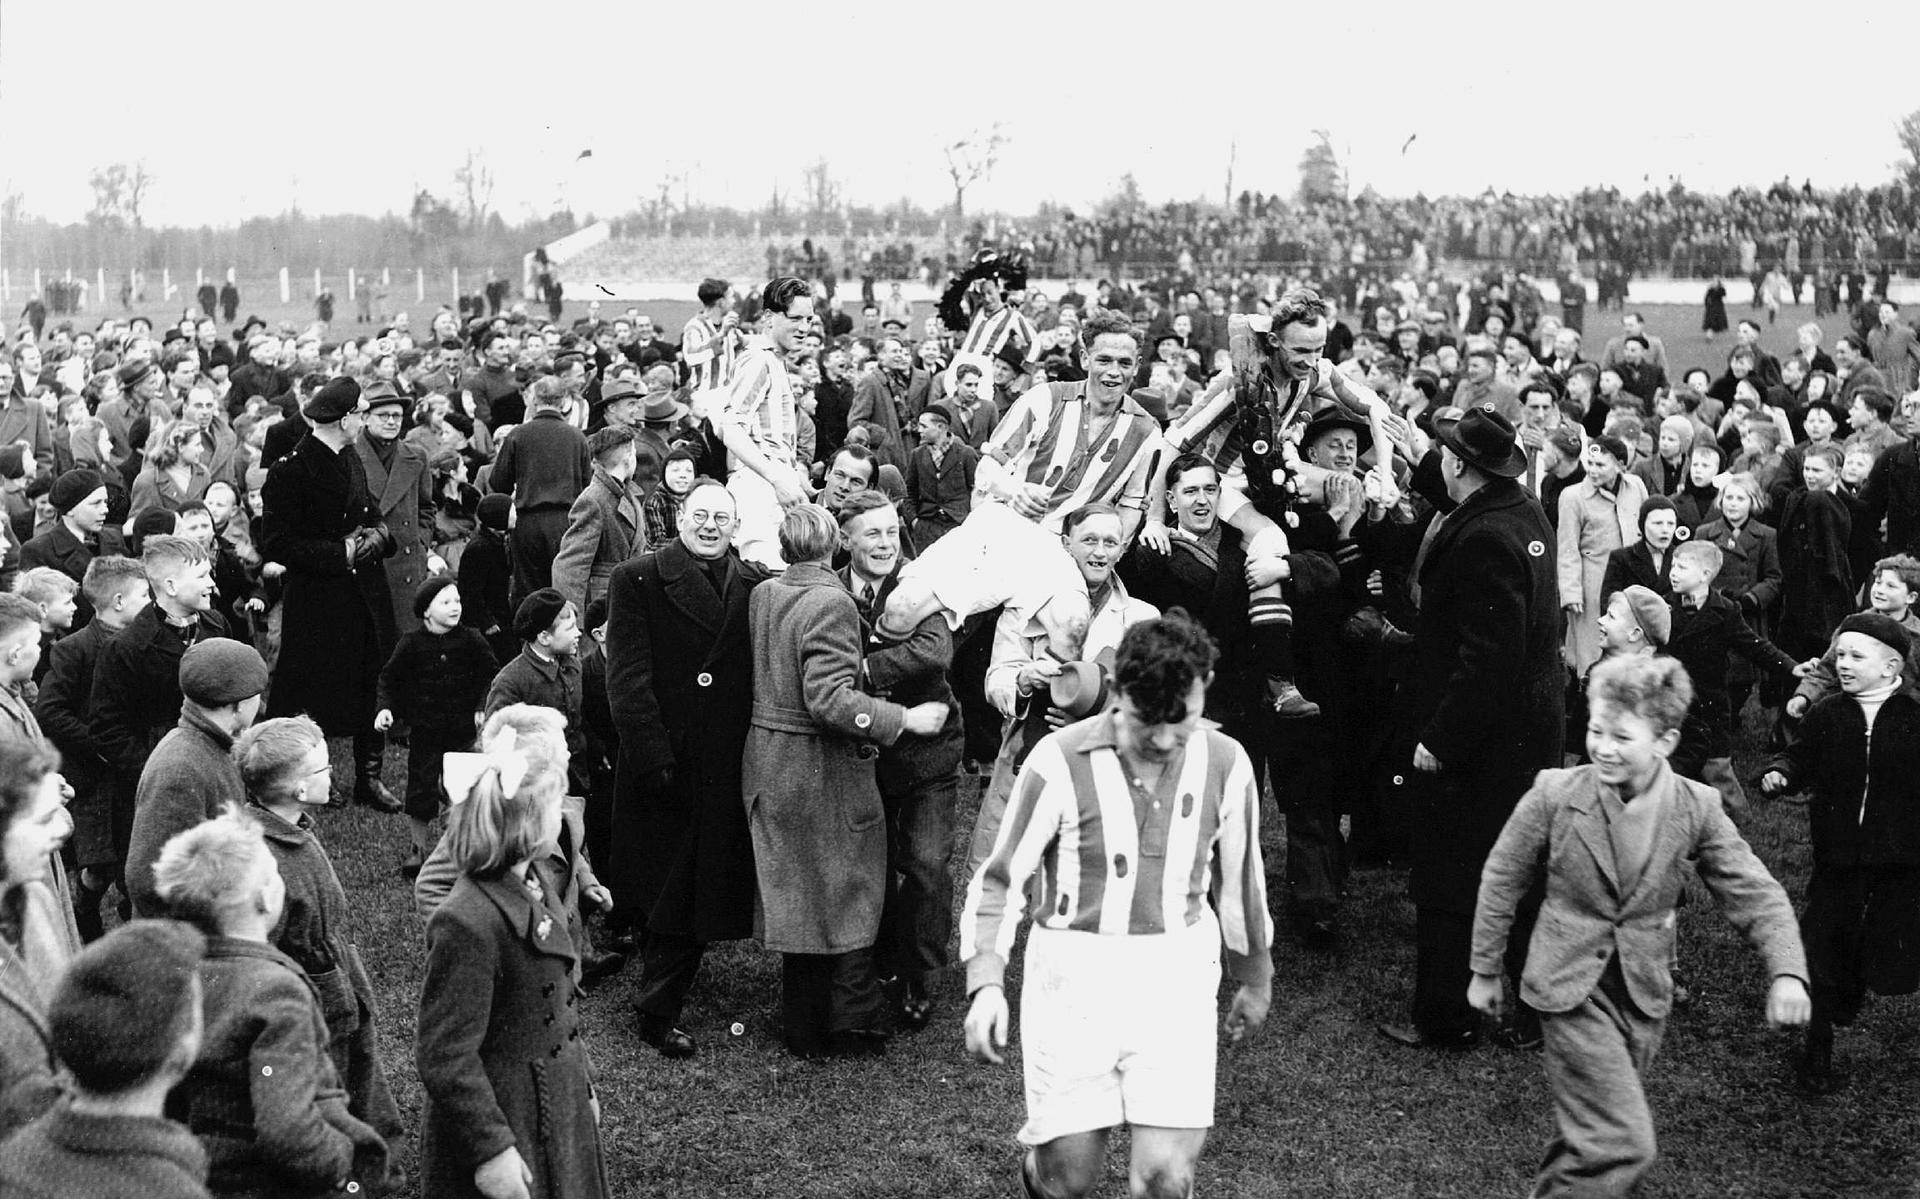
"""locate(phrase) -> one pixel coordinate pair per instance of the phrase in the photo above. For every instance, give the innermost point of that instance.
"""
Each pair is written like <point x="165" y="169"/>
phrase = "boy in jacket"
<point x="1858" y="760"/>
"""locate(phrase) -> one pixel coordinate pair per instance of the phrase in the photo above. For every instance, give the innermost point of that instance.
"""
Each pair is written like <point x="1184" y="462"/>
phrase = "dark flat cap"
<point x="334" y="400"/>
<point x="219" y="671"/>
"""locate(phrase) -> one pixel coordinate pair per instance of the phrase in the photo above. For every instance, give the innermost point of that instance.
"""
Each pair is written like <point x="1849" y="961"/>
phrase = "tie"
<point x="866" y="599"/>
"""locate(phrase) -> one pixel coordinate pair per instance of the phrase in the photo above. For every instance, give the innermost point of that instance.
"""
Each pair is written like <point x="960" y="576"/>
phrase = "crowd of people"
<point x="696" y="639"/>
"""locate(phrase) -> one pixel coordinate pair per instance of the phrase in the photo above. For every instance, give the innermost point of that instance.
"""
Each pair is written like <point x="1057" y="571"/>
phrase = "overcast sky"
<point x="347" y="105"/>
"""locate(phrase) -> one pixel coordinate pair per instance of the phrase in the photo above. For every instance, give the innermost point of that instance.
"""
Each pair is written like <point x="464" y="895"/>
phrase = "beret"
<point x="537" y="613"/>
<point x="220" y="671"/>
<point x="118" y="1009"/>
<point x="334" y="400"/>
<point x="1884" y="629"/>
<point x="70" y="488"/>
<point x="429" y="590"/>
<point x="494" y="512"/>
<point x="941" y="413"/>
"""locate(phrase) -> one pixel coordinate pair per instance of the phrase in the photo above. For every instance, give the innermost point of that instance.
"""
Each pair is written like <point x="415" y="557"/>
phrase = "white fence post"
<point x="350" y="288"/>
<point x="419" y="285"/>
<point x="286" y="286"/>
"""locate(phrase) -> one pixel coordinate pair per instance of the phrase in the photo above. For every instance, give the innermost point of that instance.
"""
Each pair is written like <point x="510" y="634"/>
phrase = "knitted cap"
<point x="118" y="1010"/>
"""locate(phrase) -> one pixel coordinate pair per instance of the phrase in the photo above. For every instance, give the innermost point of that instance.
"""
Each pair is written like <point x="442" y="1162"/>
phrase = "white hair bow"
<point x="460" y="773"/>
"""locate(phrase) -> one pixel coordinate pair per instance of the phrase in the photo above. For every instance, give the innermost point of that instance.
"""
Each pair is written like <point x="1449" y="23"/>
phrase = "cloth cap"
<point x="72" y="487"/>
<point x="1650" y="612"/>
<point x="117" y="1012"/>
<point x="334" y="400"/>
<point x="941" y="413"/>
<point x="220" y="671"/>
<point x="133" y="372"/>
<point x="537" y="613"/>
<point x="1884" y="629"/>
<point x="428" y="590"/>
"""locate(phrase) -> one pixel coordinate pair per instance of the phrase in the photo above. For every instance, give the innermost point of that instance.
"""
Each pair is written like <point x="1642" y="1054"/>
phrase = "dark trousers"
<point x="1300" y="765"/>
<point x="425" y="747"/>
<point x="825" y="993"/>
<point x="669" y="962"/>
<point x="1442" y="969"/>
<point x="535" y="544"/>
<point x="369" y="748"/>
<point x="917" y="916"/>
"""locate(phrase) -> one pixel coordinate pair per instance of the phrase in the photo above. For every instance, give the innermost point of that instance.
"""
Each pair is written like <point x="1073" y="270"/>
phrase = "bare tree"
<point x="139" y="181"/>
<point x="972" y="159"/>
<point x="823" y="191"/>
<point x="1909" y="133"/>
<point x="109" y="194"/>
<point x="475" y="180"/>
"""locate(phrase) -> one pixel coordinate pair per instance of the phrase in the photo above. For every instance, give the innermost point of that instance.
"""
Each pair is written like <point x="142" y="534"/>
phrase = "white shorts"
<point x="995" y="557"/>
<point x="756" y="527"/>
<point x="1119" y="1030"/>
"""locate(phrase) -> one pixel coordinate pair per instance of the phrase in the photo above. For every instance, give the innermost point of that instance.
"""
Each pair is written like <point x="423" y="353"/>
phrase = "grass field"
<point x="1318" y="1106"/>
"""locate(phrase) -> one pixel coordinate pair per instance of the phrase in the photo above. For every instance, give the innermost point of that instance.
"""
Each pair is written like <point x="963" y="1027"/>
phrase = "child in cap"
<point x="262" y="1095"/>
<point x="546" y="672"/>
<point x="1893" y="593"/>
<point x="1858" y="759"/>
<point x="126" y="1024"/>
<point x="436" y="680"/>
<point x="486" y="576"/>
<point x="1610" y="841"/>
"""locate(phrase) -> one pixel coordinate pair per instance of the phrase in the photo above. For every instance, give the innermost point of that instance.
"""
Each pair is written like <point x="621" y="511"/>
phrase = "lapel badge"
<point x="1537" y="549"/>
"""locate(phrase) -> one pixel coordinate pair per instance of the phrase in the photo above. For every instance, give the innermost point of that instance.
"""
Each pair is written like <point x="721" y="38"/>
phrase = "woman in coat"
<point x="813" y="805"/>
<point x="509" y="1102"/>
<point x="1598" y="515"/>
<point x="32" y="825"/>
<point x="174" y="473"/>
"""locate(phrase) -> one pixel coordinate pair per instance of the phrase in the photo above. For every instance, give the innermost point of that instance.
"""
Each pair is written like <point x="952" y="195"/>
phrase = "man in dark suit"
<point x="401" y="486"/>
<point x="680" y="684"/>
<point x="918" y="776"/>
<point x="939" y="478"/>
<point x="1489" y="702"/>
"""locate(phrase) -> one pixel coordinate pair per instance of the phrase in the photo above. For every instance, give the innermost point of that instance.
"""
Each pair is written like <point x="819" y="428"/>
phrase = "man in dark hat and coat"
<point x="401" y="487"/>
<point x="1489" y="698"/>
<point x="324" y="527"/>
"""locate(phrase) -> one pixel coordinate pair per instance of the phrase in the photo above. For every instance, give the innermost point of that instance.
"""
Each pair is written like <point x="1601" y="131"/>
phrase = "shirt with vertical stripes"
<point x="709" y="354"/>
<point x="1047" y="437"/>
<point x="991" y="331"/>
<point x="1115" y="863"/>
<point x="760" y="401"/>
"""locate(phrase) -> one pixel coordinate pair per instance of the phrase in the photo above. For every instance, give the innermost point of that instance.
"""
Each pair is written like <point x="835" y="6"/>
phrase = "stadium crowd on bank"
<point x="693" y="636"/>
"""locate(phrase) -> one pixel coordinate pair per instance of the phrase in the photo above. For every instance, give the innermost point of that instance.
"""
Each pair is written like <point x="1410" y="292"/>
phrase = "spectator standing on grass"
<point x="510" y="1107"/>
<point x="262" y="1096"/>
<point x="287" y="771"/>
<point x="1597" y="965"/>
<point x="1123" y="965"/>
<point x="321" y="524"/>
<point x="544" y="465"/>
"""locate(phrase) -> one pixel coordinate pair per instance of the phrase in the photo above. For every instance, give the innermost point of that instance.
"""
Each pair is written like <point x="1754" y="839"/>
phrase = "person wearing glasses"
<point x="401" y="486"/>
<point x="680" y="685"/>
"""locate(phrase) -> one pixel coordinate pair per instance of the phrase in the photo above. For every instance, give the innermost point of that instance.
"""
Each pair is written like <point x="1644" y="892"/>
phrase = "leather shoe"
<point x="856" y="1042"/>
<point x="1413" y="1038"/>
<point x="670" y="1041"/>
<point x="597" y="966"/>
<point x="916" y="1011"/>
<point x="373" y="793"/>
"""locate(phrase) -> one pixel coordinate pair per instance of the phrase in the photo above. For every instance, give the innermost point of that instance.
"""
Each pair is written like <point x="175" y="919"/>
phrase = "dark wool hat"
<point x="596" y="612"/>
<point x="1652" y="504"/>
<point x="428" y="590"/>
<point x="220" y="355"/>
<point x="494" y="511"/>
<point x="334" y="400"/>
<point x="133" y="372"/>
<point x="537" y="613"/>
<point x="76" y="485"/>
<point x="1884" y="629"/>
<point x="941" y="413"/>
<point x="219" y="671"/>
<point x="122" y="1003"/>
<point x="153" y="522"/>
